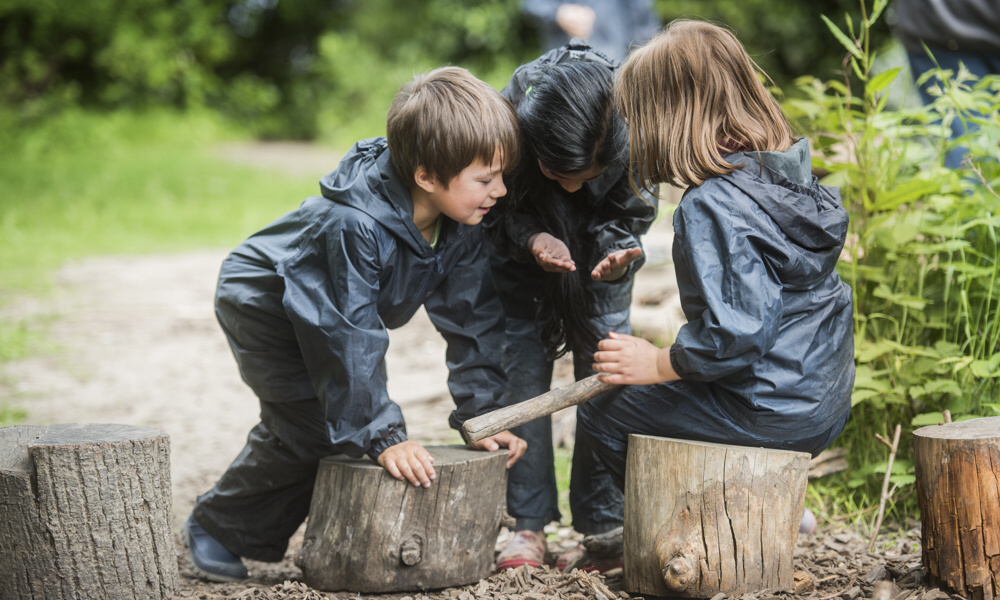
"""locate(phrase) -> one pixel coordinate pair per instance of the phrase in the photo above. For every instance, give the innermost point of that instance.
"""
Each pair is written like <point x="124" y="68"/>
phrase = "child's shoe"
<point x="579" y="558"/>
<point x="808" y="524"/>
<point x="210" y="559"/>
<point x="526" y="548"/>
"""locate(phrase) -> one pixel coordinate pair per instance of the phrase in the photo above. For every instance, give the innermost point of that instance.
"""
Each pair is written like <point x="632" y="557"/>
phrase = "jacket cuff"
<point x="380" y="445"/>
<point x="673" y="361"/>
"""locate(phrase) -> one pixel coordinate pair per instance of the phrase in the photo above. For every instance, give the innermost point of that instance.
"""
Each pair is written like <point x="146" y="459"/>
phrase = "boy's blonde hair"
<point x="444" y="121"/>
<point x="690" y="95"/>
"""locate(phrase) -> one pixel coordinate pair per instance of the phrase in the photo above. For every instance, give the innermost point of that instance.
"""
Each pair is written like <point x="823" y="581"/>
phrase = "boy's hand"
<point x="551" y="253"/>
<point x="626" y="359"/>
<point x="615" y="264"/>
<point x="409" y="461"/>
<point x="504" y="439"/>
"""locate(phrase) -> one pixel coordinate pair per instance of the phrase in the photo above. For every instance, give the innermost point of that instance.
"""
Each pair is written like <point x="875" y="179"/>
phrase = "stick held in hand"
<point x="508" y="417"/>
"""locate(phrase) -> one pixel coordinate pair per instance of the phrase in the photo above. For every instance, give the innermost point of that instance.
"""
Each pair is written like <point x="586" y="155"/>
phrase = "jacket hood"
<point x="366" y="180"/>
<point x="811" y="216"/>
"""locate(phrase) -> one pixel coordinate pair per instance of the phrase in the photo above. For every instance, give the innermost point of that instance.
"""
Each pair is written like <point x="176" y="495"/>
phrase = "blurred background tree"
<point x="308" y="68"/>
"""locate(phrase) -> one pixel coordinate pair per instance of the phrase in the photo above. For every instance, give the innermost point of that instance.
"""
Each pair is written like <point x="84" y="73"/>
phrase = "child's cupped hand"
<point x="626" y="359"/>
<point x="409" y="461"/>
<point x="615" y="264"/>
<point x="551" y="254"/>
<point x="504" y="439"/>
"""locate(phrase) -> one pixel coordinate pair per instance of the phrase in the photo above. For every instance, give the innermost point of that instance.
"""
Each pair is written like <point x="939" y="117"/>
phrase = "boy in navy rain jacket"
<point x="307" y="302"/>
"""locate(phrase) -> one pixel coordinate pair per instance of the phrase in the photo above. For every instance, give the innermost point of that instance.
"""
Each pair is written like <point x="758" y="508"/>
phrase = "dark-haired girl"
<point x="566" y="241"/>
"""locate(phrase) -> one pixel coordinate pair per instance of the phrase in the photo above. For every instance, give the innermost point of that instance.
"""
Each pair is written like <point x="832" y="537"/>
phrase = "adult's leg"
<point x="979" y="65"/>
<point x="264" y="495"/>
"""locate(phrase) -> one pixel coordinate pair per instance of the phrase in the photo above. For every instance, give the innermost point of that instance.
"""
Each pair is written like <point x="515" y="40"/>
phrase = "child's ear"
<point x="425" y="180"/>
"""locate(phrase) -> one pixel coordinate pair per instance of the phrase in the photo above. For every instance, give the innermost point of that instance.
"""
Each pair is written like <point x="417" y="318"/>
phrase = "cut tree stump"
<point x="368" y="532"/>
<point x="958" y="490"/>
<point x="703" y="519"/>
<point x="85" y="512"/>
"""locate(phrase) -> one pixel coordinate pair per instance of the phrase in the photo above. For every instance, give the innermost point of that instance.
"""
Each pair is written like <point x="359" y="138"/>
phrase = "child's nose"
<point x="501" y="189"/>
<point x="571" y="185"/>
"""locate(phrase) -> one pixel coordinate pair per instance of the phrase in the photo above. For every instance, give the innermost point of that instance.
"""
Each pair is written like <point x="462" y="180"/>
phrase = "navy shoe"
<point x="210" y="559"/>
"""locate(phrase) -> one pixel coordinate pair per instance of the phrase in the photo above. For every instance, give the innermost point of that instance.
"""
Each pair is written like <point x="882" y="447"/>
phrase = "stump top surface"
<point x="973" y="429"/>
<point x="716" y="446"/>
<point x="443" y="455"/>
<point x="17" y="440"/>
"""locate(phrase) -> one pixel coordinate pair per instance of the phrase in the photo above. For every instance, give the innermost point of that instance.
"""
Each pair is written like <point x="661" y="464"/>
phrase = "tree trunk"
<point x="85" y="513"/>
<point x="368" y="532"/>
<point x="958" y="489"/>
<point x="703" y="519"/>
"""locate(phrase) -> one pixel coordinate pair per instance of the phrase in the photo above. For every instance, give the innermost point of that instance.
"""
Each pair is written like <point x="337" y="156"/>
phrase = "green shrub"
<point x="922" y="254"/>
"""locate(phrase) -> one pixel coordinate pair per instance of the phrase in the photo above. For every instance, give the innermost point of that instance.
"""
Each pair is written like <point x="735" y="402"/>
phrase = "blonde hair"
<point x="689" y="95"/>
<point x="447" y="119"/>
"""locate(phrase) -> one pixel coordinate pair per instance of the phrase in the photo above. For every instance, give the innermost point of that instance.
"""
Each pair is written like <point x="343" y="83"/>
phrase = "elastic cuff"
<point x="673" y="360"/>
<point x="380" y="445"/>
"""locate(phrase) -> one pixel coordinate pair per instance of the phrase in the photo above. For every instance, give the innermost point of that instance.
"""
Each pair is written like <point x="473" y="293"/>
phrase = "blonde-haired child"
<point x="766" y="357"/>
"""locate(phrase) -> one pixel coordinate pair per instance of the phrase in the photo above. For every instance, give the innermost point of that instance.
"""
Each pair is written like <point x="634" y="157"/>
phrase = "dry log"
<point x="958" y="490"/>
<point x="368" y="532"/>
<point x="85" y="513"/>
<point x="703" y="519"/>
<point x="827" y="462"/>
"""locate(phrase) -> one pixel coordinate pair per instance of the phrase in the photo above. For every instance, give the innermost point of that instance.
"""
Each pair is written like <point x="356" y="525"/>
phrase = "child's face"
<point x="574" y="181"/>
<point x="472" y="193"/>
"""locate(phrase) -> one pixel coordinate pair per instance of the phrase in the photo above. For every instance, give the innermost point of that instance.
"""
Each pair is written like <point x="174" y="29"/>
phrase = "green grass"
<point x="83" y="184"/>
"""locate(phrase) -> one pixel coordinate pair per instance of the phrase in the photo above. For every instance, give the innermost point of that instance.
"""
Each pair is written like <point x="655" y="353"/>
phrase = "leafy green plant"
<point x="922" y="253"/>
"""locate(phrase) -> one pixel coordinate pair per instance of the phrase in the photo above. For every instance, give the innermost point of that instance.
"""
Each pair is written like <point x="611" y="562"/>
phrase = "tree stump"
<point x="368" y="532"/>
<point x="958" y="489"/>
<point x="703" y="519"/>
<point x="85" y="512"/>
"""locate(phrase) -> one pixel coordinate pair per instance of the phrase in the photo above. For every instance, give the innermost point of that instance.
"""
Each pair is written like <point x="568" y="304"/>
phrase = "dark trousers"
<point x="264" y="495"/>
<point x="979" y="65"/>
<point x="691" y="410"/>
<point x="532" y="498"/>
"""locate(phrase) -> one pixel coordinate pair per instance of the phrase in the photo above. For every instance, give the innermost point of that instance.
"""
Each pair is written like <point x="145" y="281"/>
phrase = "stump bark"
<point x="703" y="519"/>
<point x="958" y="490"/>
<point x="368" y="532"/>
<point x="85" y="512"/>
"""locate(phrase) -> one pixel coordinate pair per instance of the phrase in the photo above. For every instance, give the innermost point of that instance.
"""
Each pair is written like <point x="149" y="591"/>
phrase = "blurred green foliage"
<point x="302" y="69"/>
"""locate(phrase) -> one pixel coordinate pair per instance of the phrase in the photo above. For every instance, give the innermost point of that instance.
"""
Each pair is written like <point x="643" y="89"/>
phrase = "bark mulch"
<point x="829" y="565"/>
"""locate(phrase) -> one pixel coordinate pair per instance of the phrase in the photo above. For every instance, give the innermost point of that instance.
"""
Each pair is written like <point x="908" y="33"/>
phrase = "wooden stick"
<point x="505" y="418"/>
<point x="885" y="485"/>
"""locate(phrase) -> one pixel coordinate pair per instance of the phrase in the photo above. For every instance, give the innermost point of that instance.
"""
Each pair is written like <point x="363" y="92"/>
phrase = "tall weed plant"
<point x="922" y="253"/>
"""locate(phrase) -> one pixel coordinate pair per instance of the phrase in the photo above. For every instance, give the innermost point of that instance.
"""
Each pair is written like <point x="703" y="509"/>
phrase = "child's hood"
<point x="810" y="215"/>
<point x="366" y="180"/>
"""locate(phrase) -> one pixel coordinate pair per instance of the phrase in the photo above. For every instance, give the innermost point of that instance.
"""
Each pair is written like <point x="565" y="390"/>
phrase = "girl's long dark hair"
<point x="569" y="124"/>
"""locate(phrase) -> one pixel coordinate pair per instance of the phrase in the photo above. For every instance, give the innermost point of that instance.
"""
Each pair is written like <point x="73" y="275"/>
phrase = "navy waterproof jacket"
<point x="308" y="301"/>
<point x="769" y="321"/>
<point x="606" y="216"/>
